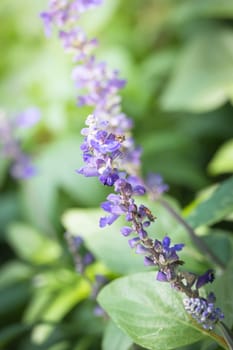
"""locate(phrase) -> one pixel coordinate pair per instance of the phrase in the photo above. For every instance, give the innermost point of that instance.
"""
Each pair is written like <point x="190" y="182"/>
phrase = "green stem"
<point x="201" y="245"/>
<point x="227" y="334"/>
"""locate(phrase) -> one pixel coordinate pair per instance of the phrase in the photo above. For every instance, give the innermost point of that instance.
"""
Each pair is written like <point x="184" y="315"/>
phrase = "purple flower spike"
<point x="203" y="311"/>
<point x="207" y="277"/>
<point x="110" y="154"/>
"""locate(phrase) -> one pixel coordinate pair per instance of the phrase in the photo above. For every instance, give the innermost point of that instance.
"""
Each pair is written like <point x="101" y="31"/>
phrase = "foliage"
<point x="177" y="58"/>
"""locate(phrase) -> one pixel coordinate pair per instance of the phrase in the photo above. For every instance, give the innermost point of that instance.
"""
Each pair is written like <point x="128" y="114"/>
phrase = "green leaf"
<point x="14" y="271"/>
<point x="115" y="339"/>
<point x="150" y="312"/>
<point x="13" y="297"/>
<point x="187" y="9"/>
<point x="222" y="161"/>
<point x="64" y="300"/>
<point x="12" y="332"/>
<point x="215" y="208"/>
<point x="221" y="243"/>
<point x="32" y="245"/>
<point x="9" y="204"/>
<point x="223" y="291"/>
<point x="203" y="79"/>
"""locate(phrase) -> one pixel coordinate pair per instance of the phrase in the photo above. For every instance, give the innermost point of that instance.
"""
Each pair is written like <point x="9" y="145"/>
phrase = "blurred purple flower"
<point x="22" y="167"/>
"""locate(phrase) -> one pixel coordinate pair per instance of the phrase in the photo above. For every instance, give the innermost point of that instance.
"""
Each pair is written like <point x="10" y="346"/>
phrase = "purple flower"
<point x="82" y="257"/>
<point x="155" y="185"/>
<point x="133" y="242"/>
<point x="88" y="259"/>
<point x="126" y="230"/>
<point x="108" y="220"/>
<point x="161" y="276"/>
<point x="28" y="118"/>
<point x="21" y="165"/>
<point x="170" y="252"/>
<point x="63" y="12"/>
<point x="203" y="311"/>
<point x="76" y="42"/>
<point x="22" y="168"/>
<point x="140" y="249"/>
<point x="207" y="277"/>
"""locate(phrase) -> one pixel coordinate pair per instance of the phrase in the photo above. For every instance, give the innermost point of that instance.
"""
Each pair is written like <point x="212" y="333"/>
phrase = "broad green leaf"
<point x="215" y="208"/>
<point x="115" y="339"/>
<point x="202" y="80"/>
<point x="223" y="291"/>
<point x="150" y="312"/>
<point x="32" y="245"/>
<point x="222" y="161"/>
<point x="221" y="244"/>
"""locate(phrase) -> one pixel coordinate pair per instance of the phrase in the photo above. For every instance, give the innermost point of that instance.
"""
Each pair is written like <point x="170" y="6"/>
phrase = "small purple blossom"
<point x="161" y="276"/>
<point x="133" y="242"/>
<point x="155" y="185"/>
<point x="126" y="230"/>
<point x="207" y="277"/>
<point x="28" y="118"/>
<point x="23" y="168"/>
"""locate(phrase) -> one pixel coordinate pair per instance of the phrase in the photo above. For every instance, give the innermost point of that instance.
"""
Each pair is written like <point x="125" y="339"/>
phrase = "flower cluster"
<point x="204" y="311"/>
<point x="22" y="166"/>
<point x="110" y="154"/>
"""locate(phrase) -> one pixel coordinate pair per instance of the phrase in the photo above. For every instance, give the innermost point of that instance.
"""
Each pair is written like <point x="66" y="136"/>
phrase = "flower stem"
<point x="200" y="244"/>
<point x="227" y="334"/>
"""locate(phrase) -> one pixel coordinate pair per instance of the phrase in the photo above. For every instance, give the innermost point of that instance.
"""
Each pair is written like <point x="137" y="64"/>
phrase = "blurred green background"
<point x="177" y="56"/>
